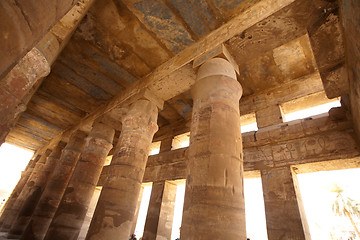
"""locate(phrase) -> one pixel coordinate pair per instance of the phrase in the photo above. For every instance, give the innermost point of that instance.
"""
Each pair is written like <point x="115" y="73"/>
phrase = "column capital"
<point x="220" y="51"/>
<point x="216" y="80"/>
<point x="142" y="115"/>
<point x="214" y="67"/>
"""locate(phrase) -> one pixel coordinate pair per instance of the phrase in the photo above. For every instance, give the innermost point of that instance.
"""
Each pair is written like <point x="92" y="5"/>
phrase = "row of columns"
<point x="53" y="202"/>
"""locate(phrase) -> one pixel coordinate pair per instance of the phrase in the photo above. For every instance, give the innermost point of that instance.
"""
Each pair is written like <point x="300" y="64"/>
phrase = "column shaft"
<point x="19" y="81"/>
<point x="116" y="208"/>
<point x="214" y="199"/>
<point x="18" y="85"/>
<point x="54" y="190"/>
<point x="160" y="214"/>
<point x="31" y="191"/>
<point x="24" y="24"/>
<point x="282" y="209"/>
<point x="70" y="214"/>
<point x="17" y="190"/>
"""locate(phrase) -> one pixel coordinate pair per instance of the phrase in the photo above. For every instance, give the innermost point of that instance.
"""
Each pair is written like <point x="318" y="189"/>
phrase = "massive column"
<point x="285" y="217"/>
<point x="160" y="214"/>
<point x="32" y="190"/>
<point x="56" y="184"/>
<point x="214" y="200"/>
<point x="18" y="82"/>
<point x="66" y="223"/>
<point x="116" y="208"/>
<point x="24" y="23"/>
<point x="17" y="190"/>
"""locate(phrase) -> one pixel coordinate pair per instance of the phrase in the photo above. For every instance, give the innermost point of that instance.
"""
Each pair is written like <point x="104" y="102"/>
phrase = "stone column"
<point x="56" y="185"/>
<point x="285" y="217"/>
<point x="214" y="200"/>
<point x="18" y="85"/>
<point x="32" y="190"/>
<point x="68" y="219"/>
<point x="160" y="214"/>
<point x="17" y="190"/>
<point x="116" y="208"/>
<point x="25" y="23"/>
<point x="18" y="82"/>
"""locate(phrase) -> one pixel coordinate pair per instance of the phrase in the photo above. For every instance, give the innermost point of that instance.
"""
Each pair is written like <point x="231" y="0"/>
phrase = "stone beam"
<point x="309" y="141"/>
<point x="301" y="87"/>
<point x="351" y="22"/>
<point x="328" y="46"/>
<point x="285" y="92"/>
<point x="172" y="130"/>
<point x="19" y="85"/>
<point x="177" y="75"/>
<point x="23" y="24"/>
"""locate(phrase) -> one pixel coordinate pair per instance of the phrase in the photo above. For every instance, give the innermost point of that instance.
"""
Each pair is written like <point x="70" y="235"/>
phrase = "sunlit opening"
<point x="311" y="105"/>
<point x="181" y="141"/>
<point x="13" y="160"/>
<point x="178" y="210"/>
<point x="155" y="148"/>
<point x="254" y="209"/>
<point x="108" y="160"/>
<point x="317" y="192"/>
<point x="145" y="200"/>
<point x="324" y="108"/>
<point x="248" y="123"/>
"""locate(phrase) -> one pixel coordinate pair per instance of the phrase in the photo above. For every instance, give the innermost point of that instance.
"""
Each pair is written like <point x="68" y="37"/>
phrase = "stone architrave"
<point x="69" y="216"/>
<point x="55" y="187"/>
<point x="115" y="211"/>
<point x="214" y="199"/>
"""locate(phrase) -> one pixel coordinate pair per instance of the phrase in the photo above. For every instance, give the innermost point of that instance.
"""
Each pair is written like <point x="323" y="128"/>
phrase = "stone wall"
<point x="351" y="20"/>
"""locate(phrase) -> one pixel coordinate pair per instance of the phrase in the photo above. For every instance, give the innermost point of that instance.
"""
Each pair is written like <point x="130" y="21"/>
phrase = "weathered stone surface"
<point x="214" y="201"/>
<point x="35" y="226"/>
<point x="116" y="208"/>
<point x="69" y="216"/>
<point x="309" y="134"/>
<point x="176" y="75"/>
<point x="160" y="214"/>
<point x="160" y="167"/>
<point x="23" y="24"/>
<point x="166" y="144"/>
<point x="285" y="217"/>
<point x="31" y="71"/>
<point x="351" y="19"/>
<point x="16" y="84"/>
<point x="288" y="91"/>
<point x="329" y="50"/>
<point x="269" y="116"/>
